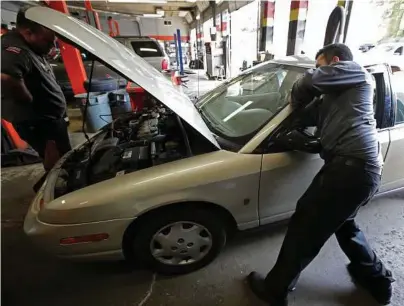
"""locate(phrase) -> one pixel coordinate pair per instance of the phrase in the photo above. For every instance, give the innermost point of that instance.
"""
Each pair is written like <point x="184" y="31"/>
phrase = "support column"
<point x="347" y="5"/>
<point x="267" y="25"/>
<point x="297" y="26"/>
<point x="70" y="55"/>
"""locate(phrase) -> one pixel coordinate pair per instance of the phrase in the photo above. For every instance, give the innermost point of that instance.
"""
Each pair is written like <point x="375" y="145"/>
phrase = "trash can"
<point x="119" y="101"/>
<point x="98" y="110"/>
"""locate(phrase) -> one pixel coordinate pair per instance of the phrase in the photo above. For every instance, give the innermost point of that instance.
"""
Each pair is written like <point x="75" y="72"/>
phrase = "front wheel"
<point x="176" y="241"/>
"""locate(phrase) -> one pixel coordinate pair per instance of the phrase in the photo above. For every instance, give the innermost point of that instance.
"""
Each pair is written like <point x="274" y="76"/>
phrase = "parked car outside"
<point x="147" y="48"/>
<point x="391" y="53"/>
<point x="167" y="186"/>
<point x="366" y="47"/>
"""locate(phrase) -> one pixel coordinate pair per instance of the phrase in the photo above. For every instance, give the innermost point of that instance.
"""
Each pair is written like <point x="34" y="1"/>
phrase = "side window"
<point x="397" y="81"/>
<point x="374" y="84"/>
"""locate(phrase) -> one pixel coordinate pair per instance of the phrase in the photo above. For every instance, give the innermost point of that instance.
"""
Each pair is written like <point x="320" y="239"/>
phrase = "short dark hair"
<point x="338" y="49"/>
<point x="24" y="23"/>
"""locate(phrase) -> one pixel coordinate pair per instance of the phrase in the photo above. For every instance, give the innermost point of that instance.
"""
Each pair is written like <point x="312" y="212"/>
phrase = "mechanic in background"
<point x="33" y="101"/>
<point x="348" y="180"/>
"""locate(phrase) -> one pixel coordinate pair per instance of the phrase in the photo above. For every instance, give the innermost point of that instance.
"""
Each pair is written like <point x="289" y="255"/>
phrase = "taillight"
<point x="164" y="65"/>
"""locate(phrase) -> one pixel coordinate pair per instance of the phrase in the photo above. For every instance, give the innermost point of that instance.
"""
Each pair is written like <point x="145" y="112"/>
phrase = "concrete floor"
<point x="30" y="277"/>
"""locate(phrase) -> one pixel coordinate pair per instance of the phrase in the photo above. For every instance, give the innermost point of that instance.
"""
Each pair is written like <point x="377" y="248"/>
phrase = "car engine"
<point x="132" y="142"/>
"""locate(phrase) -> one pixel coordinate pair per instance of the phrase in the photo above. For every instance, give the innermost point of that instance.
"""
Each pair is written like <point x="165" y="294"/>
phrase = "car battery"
<point x="135" y="158"/>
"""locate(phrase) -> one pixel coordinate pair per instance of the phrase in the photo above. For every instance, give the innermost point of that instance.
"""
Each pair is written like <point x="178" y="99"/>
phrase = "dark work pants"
<point x="328" y="206"/>
<point x="38" y="132"/>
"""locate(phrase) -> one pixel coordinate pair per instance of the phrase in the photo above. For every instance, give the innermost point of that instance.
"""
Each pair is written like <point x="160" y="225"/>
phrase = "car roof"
<point x="308" y="63"/>
<point x="297" y="60"/>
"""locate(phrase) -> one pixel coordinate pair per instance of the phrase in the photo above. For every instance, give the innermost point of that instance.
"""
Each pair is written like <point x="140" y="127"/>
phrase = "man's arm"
<point x="303" y="91"/>
<point x="15" y="89"/>
<point x="327" y="79"/>
<point x="339" y="76"/>
<point x="15" y="65"/>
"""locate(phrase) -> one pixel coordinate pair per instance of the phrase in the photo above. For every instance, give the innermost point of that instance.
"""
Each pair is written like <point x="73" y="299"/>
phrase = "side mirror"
<point x="298" y="140"/>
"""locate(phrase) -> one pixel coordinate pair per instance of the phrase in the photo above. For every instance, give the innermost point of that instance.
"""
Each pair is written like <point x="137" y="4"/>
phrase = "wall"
<point x="127" y="26"/>
<point x="9" y="11"/>
<point x="317" y="17"/>
<point x="156" y="27"/>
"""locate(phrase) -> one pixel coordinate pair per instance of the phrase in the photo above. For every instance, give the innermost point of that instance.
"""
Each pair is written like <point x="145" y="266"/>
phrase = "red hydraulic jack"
<point x="137" y="96"/>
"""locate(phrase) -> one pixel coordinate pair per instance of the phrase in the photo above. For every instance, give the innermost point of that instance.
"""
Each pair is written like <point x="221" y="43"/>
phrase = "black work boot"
<point x="257" y="284"/>
<point x="379" y="287"/>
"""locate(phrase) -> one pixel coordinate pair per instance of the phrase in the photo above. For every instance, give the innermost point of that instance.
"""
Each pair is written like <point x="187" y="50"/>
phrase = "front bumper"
<point x="48" y="236"/>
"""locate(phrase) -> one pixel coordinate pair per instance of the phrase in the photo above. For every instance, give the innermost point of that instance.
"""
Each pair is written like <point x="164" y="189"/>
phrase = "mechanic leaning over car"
<point x="32" y="100"/>
<point x="349" y="179"/>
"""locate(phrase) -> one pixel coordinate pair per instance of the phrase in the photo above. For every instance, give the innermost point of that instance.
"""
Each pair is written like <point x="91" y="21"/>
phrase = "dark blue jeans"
<point x="328" y="207"/>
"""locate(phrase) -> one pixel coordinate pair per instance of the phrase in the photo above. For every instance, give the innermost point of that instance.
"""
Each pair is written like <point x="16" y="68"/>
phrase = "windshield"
<point x="239" y="108"/>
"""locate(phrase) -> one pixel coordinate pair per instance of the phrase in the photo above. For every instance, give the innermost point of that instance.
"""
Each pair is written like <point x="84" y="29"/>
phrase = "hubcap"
<point x="181" y="243"/>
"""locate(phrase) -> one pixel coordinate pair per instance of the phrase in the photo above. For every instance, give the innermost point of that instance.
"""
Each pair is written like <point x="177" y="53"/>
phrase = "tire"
<point x="138" y="239"/>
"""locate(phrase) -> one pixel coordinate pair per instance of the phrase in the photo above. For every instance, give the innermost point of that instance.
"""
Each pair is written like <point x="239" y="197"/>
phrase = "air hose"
<point x="335" y="26"/>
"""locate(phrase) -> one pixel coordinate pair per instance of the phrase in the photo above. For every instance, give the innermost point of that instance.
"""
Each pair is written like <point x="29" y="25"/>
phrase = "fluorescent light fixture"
<point x="182" y="13"/>
<point x="152" y="16"/>
<point x="190" y="1"/>
<point x="138" y="1"/>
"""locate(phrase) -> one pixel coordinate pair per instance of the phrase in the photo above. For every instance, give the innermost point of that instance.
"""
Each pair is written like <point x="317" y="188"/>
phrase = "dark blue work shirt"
<point x="21" y="62"/>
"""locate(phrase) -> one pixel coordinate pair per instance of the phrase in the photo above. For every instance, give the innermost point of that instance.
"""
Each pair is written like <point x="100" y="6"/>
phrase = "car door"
<point x="286" y="175"/>
<point x="393" y="171"/>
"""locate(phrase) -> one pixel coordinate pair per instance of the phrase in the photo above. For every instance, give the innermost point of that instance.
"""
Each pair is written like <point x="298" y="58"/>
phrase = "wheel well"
<point x="223" y="213"/>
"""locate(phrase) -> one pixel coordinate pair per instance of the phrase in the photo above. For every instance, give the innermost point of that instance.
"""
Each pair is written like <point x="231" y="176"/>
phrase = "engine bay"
<point x="135" y="141"/>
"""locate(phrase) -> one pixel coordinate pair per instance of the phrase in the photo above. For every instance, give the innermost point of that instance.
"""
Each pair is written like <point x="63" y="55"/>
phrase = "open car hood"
<point x="122" y="60"/>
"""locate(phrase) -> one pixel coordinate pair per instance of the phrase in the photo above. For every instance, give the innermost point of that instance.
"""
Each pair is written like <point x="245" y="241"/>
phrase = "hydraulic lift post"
<point x="70" y="55"/>
<point x="180" y="52"/>
<point x="267" y="25"/>
<point x="297" y="26"/>
<point x="347" y="5"/>
<point x="92" y="16"/>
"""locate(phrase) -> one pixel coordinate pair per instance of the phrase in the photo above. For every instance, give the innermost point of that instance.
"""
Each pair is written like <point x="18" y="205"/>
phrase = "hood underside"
<point x="123" y="60"/>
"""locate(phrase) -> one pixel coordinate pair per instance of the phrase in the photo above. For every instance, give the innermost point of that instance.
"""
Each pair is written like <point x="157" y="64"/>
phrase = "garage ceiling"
<point x="170" y="7"/>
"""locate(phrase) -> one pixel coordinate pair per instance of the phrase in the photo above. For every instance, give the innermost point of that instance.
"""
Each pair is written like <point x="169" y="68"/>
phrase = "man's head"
<point x="333" y="53"/>
<point x="39" y="38"/>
